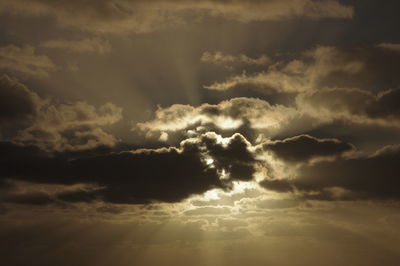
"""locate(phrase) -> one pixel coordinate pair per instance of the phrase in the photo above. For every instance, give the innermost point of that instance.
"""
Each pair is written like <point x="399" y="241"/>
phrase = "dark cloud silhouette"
<point x="366" y="137"/>
<point x="126" y="177"/>
<point x="304" y="148"/>
<point x="281" y="185"/>
<point x="234" y="157"/>
<point x="17" y="102"/>
<point x="368" y="177"/>
<point x="137" y="176"/>
<point x="375" y="176"/>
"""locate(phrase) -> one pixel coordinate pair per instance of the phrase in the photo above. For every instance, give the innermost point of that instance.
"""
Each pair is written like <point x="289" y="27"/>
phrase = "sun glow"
<point x="211" y="194"/>
<point x="209" y="161"/>
<point x="224" y="122"/>
<point x="238" y="191"/>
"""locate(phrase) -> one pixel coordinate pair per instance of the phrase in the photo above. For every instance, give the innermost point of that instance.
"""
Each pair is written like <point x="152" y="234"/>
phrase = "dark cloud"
<point x="126" y="177"/>
<point x="79" y="196"/>
<point x="17" y="102"/>
<point x="166" y="175"/>
<point x="366" y="137"/>
<point x="281" y="185"/>
<point x="304" y="148"/>
<point x="368" y="177"/>
<point x="138" y="176"/>
<point x="234" y="157"/>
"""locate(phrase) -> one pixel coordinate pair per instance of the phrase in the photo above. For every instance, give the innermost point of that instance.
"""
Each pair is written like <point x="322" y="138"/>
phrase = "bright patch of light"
<point x="224" y="122"/>
<point x="223" y="141"/>
<point x="223" y="175"/>
<point x="240" y="187"/>
<point x="211" y="194"/>
<point x="163" y="136"/>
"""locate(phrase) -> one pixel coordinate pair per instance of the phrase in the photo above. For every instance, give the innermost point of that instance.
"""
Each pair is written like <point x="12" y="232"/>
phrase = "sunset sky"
<point x="199" y="133"/>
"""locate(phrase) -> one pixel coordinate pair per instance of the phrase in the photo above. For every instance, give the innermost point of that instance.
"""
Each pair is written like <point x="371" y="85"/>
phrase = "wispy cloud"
<point x="26" y="60"/>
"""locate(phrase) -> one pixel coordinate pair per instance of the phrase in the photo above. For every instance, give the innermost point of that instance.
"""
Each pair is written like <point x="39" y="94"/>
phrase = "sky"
<point x="204" y="133"/>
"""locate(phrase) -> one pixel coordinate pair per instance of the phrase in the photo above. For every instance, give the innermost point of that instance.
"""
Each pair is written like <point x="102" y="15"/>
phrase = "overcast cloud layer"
<point x="176" y="132"/>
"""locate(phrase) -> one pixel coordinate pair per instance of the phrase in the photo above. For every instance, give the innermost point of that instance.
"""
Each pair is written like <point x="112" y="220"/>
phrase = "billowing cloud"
<point x="282" y="158"/>
<point x="66" y="126"/>
<point x="248" y="116"/>
<point x="71" y="126"/>
<point x="25" y="60"/>
<point x="356" y="85"/>
<point x="144" y="16"/>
